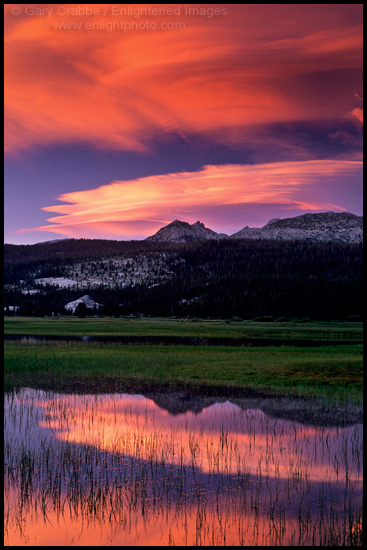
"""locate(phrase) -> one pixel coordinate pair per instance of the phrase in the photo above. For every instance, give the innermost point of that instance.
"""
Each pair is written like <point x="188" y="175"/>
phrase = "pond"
<point x="122" y="469"/>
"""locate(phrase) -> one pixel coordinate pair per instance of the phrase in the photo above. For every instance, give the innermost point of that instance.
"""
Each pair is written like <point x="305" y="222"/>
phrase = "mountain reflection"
<point x="118" y="469"/>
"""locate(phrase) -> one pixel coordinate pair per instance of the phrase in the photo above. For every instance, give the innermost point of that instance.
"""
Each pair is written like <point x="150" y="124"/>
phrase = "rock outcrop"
<point x="183" y="232"/>
<point x="326" y="226"/>
<point x="86" y="300"/>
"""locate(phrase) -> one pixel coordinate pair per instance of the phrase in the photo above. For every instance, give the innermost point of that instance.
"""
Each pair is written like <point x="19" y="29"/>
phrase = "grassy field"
<point x="326" y="370"/>
<point x="72" y="326"/>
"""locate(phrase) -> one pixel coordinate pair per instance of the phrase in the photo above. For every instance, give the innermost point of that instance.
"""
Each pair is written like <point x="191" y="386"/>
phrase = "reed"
<point x="117" y="468"/>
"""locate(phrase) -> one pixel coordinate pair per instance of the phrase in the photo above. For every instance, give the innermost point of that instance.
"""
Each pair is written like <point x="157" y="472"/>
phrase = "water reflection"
<point x="119" y="470"/>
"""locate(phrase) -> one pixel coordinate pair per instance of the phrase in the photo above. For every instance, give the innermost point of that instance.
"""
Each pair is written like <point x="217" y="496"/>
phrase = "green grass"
<point x="71" y="326"/>
<point x="326" y="370"/>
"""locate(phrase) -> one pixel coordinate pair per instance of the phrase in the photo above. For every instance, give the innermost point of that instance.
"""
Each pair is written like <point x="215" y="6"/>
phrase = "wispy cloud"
<point x="150" y="202"/>
<point x="123" y="90"/>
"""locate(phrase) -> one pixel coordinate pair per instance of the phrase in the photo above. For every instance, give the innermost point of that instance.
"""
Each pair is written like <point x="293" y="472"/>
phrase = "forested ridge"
<point x="227" y="278"/>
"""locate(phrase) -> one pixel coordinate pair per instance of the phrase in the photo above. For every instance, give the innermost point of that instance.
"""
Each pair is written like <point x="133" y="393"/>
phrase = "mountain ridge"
<point x="323" y="226"/>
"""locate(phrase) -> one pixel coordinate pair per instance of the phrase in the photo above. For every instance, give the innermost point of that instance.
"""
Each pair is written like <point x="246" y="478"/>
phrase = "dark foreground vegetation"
<point x="246" y="279"/>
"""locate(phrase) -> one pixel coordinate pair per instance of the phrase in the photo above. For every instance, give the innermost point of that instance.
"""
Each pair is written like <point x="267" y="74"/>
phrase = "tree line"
<point x="217" y="279"/>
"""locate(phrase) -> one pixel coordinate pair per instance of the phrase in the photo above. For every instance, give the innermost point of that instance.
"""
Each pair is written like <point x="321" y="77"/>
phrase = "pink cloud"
<point x="358" y="114"/>
<point x="123" y="90"/>
<point x="156" y="200"/>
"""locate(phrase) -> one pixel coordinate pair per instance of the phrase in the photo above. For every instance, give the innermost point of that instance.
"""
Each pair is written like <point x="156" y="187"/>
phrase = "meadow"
<point x="149" y="326"/>
<point x="334" y="369"/>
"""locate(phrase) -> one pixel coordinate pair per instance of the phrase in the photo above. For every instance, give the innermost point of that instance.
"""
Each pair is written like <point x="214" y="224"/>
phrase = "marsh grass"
<point x="119" y="467"/>
<point x="71" y="326"/>
<point x="327" y="370"/>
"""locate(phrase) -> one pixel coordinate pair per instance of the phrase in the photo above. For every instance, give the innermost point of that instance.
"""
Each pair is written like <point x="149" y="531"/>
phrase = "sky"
<point x="120" y="118"/>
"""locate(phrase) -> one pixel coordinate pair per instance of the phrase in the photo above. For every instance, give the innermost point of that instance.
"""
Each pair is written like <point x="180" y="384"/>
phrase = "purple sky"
<point x="231" y="118"/>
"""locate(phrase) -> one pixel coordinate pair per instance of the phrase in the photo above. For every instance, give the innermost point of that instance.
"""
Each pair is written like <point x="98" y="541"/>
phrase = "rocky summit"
<point x="326" y="226"/>
<point x="183" y="232"/>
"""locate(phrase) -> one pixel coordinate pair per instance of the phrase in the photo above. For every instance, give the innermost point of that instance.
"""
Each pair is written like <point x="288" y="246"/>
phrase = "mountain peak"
<point x="178" y="223"/>
<point x="321" y="226"/>
<point x="198" y="224"/>
<point x="183" y="232"/>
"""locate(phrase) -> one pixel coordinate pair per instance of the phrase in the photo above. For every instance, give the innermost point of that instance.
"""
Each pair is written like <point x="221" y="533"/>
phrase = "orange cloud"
<point x="358" y="114"/>
<point x="156" y="199"/>
<point x="123" y="90"/>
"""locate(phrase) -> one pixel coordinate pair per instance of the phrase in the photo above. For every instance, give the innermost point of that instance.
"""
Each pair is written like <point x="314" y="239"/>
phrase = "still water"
<point x="122" y="470"/>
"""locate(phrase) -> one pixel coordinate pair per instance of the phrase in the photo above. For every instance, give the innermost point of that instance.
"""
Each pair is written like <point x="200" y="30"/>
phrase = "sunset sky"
<point x="121" y="118"/>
